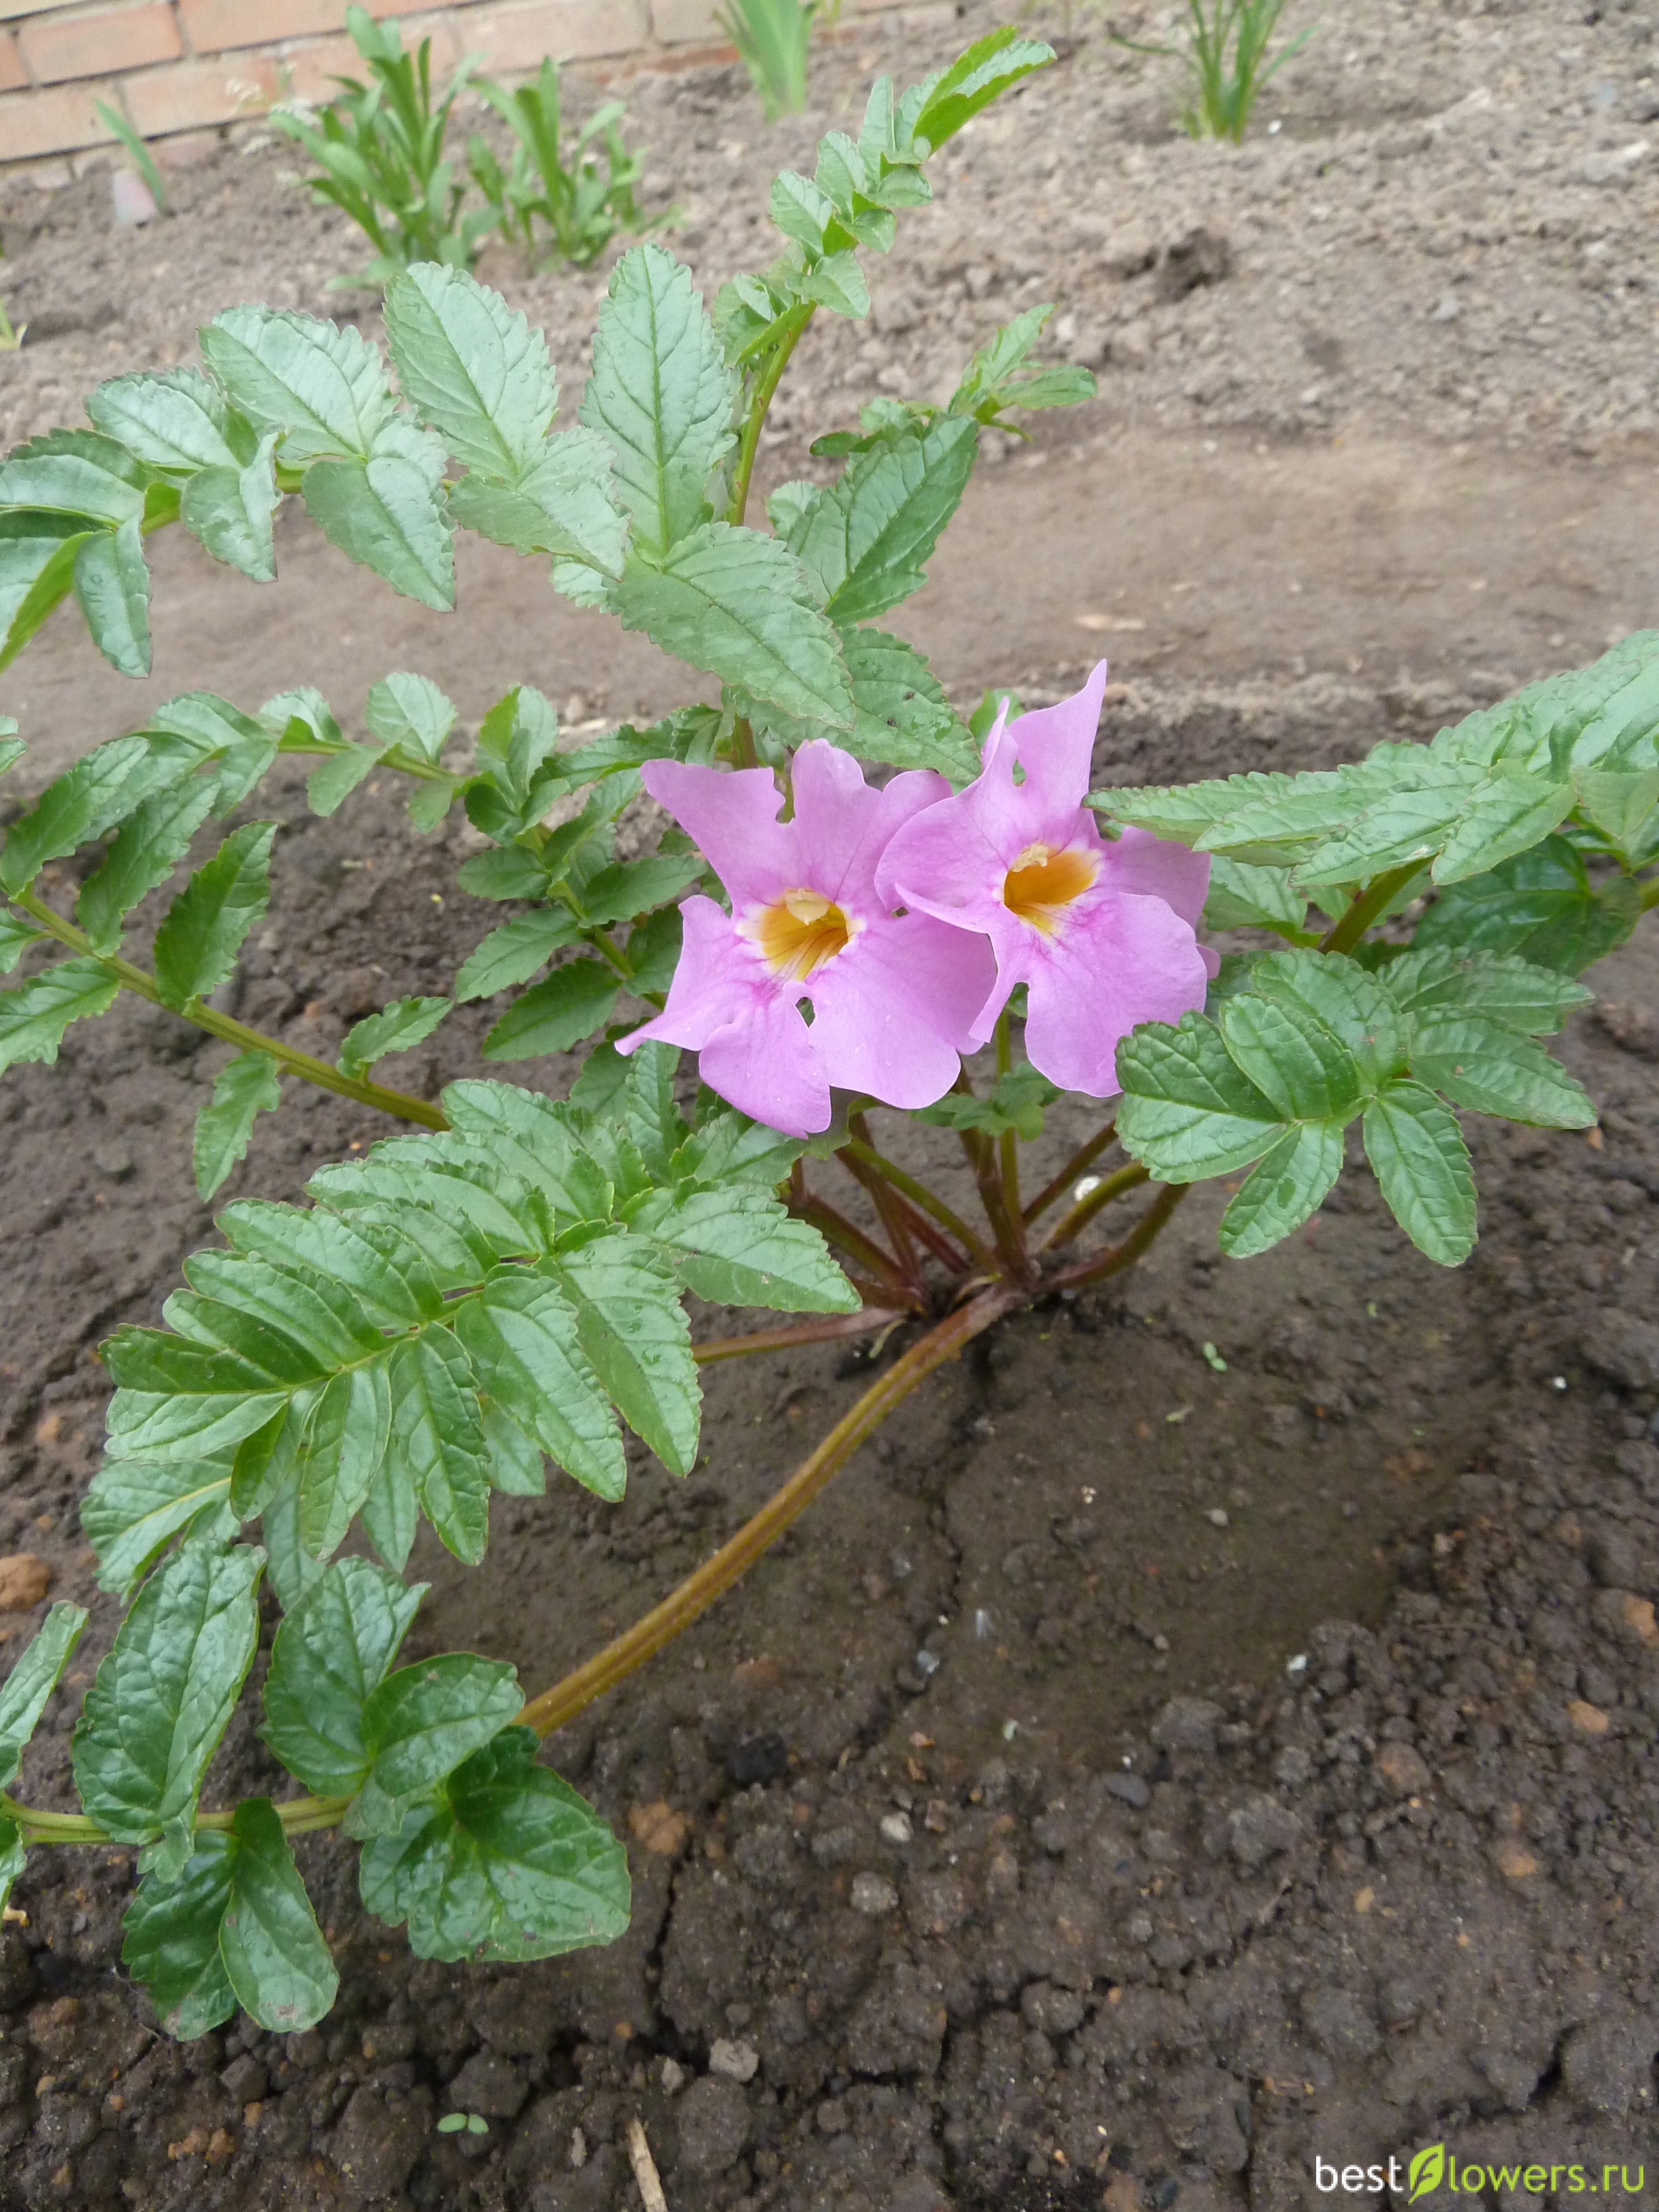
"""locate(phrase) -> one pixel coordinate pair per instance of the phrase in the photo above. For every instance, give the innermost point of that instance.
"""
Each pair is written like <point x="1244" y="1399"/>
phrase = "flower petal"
<point x="1056" y="746"/>
<point x="766" y="1065"/>
<point x="1139" y="861"/>
<point x="719" y="978"/>
<point x="1123" y="960"/>
<point x="732" y="817"/>
<point x="892" y="1015"/>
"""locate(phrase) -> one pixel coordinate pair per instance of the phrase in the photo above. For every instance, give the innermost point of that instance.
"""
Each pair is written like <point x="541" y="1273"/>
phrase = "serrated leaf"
<point x="739" y="1248"/>
<point x="521" y="1337"/>
<point x="171" y="1944"/>
<point x="515" y="1464"/>
<point x="420" y="1723"/>
<point x="1420" y="1159"/>
<point x="109" y="783"/>
<point x="34" y="1015"/>
<point x="437" y="1433"/>
<point x="739" y="604"/>
<point x="390" y="1514"/>
<point x="112" y="583"/>
<point x="13" y="1856"/>
<point x="331" y="1651"/>
<point x="24" y="1693"/>
<point x="373" y="1260"/>
<point x="989" y="67"/>
<point x="1292" y="1059"/>
<point x="541" y="1140"/>
<point x="1517" y="993"/>
<point x="322" y="388"/>
<point x="17" y="936"/>
<point x="512" y="953"/>
<point x="385" y="514"/>
<point x="1286" y="1184"/>
<point x="660" y="395"/>
<point x="175" y="419"/>
<point x="158" y="1705"/>
<point x="508" y="1863"/>
<point x="562" y="504"/>
<point x="801" y="209"/>
<point x="292" y="1570"/>
<point x="575" y="999"/>
<point x="1618" y="803"/>
<point x="1338" y="996"/>
<point x="1477" y="1063"/>
<point x="37" y="571"/>
<point x="837" y="283"/>
<point x="1187" y="1111"/>
<point x="315" y="1316"/>
<point x="244" y="1088"/>
<point x="135" y="1507"/>
<point x="408" y="712"/>
<point x="1242" y="898"/>
<point x="470" y="366"/>
<point x="328" y="787"/>
<point x="1509" y="815"/>
<point x="340" y="1454"/>
<point x="867" y="536"/>
<point x="150" y="846"/>
<point x="649" y="1112"/>
<point x="230" y="510"/>
<point x="1541" y="905"/>
<point x="203" y="930"/>
<point x="397" y="1028"/>
<point x="727" y="1147"/>
<point x="74" y="472"/>
<point x="274" y="1959"/>
<point x="631" y="1325"/>
<point x="181" y="1402"/>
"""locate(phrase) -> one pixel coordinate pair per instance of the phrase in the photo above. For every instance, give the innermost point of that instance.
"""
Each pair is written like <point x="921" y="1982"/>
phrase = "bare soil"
<point x="1135" y="1781"/>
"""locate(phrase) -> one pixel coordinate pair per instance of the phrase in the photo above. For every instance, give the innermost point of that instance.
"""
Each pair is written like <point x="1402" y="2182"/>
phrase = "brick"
<point x="196" y="96"/>
<point x="684" y="22"/>
<point x="217" y="27"/>
<point x="13" y="75"/>
<point x="34" y="124"/>
<point x="517" y="38"/>
<point x="108" y="43"/>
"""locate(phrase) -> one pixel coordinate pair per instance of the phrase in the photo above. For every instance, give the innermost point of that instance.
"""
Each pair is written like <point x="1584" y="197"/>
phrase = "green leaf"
<point x="739" y="604"/>
<point x="171" y="1946"/>
<point x="727" y="1147"/>
<point x="331" y="1651"/>
<point x="739" y="1248"/>
<point x="322" y="388"/>
<point x="562" y="504"/>
<point x="518" y="736"/>
<point x="1517" y="993"/>
<point x="24" y="1693"/>
<point x="1285" y="1186"/>
<point x="340" y="1454"/>
<point x="521" y="1337"/>
<point x="175" y="419"/>
<point x="649" y="1112"/>
<point x="112" y="585"/>
<point x="181" y="1402"/>
<point x="135" y="1507"/>
<point x="1242" y="898"/>
<point x="1187" y="1111"/>
<point x="1476" y="1062"/>
<point x="1541" y="905"/>
<point x="512" y="953"/>
<point x="292" y="1570"/>
<point x="652" y="951"/>
<point x="1618" y="803"/>
<point x="628" y="888"/>
<point x="380" y="1267"/>
<point x="1420" y="1159"/>
<point x="154" y="1714"/>
<point x="17" y="936"/>
<point x="231" y="512"/>
<point x="575" y="999"/>
<point x="13" y="1857"/>
<point x="515" y="1464"/>
<point x="631" y="1325"/>
<point x="1291" y="1059"/>
<point x="203" y="929"/>
<point x="470" y="366"/>
<point x="34" y="1015"/>
<point x="541" y="1139"/>
<point x="1334" y="995"/>
<point x="37" y="570"/>
<point x="244" y="1088"/>
<point x="662" y="396"/>
<point x="385" y="514"/>
<point x="867" y="536"/>
<point x="108" y="783"/>
<point x="418" y="1726"/>
<point x="74" y="472"/>
<point x="508" y="1863"/>
<point x="397" y="1028"/>
<point x="1017" y="1101"/>
<point x="328" y="787"/>
<point x="437" y="1433"/>
<point x="410" y="712"/>
<point x="1509" y="815"/>
<point x="801" y="209"/>
<point x="902" y="716"/>
<point x="981" y="75"/>
<point x="150" y="846"/>
<point x="837" y="283"/>
<point x="274" y="1957"/>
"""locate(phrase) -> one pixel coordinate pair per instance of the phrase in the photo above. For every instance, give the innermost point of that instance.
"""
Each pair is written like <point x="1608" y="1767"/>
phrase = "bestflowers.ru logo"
<point x="1432" y="2169"/>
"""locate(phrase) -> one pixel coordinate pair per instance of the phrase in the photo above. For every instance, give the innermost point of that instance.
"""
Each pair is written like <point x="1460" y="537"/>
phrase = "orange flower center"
<point x="799" y="933"/>
<point x="1042" y="883"/>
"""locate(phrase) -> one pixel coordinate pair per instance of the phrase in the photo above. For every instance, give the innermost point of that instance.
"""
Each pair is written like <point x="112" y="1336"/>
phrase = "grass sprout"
<point x="772" y="38"/>
<point x="581" y="204"/>
<point x="140" y="156"/>
<point x="1224" y="45"/>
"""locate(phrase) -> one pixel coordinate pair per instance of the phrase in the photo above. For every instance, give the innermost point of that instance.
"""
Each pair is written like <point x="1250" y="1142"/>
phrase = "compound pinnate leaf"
<point x="1188" y="1111"/>
<point x="17" y="936"/>
<point x="739" y="604"/>
<point x="521" y="1337"/>
<point x="176" y="419"/>
<point x="1477" y="1062"/>
<point x="322" y="388"/>
<point x="35" y="1014"/>
<point x="1291" y="1059"/>
<point x="203" y="929"/>
<point x="1286" y="1184"/>
<point x="866" y="538"/>
<point x="331" y="1651"/>
<point x="274" y="1959"/>
<point x="516" y="1466"/>
<point x="739" y="1248"/>
<point x="24" y="1693"/>
<point x="977" y="78"/>
<point x="231" y="511"/>
<point x="372" y="1259"/>
<point x="135" y="1507"/>
<point x="411" y="713"/>
<point x="470" y="366"/>
<point x="37" y="571"/>
<point x="438" y="1435"/>
<point x="328" y="787"/>
<point x="149" y="847"/>
<point x="507" y="1863"/>
<point x="244" y="1088"/>
<point x="420" y="1723"/>
<point x="1421" y="1163"/>
<point x="660" y="395"/>
<point x="154" y="1714"/>
<point x="383" y="513"/>
<point x="630" y="1323"/>
<point x="74" y="472"/>
<point x="1541" y="906"/>
<point x="397" y="1028"/>
<point x="514" y="953"/>
<point x="1336" y="996"/>
<point x="111" y="782"/>
<point x="112" y="583"/>
<point x="574" y="1000"/>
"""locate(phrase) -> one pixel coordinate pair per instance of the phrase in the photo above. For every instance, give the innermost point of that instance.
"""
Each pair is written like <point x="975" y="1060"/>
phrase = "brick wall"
<point x="175" y="67"/>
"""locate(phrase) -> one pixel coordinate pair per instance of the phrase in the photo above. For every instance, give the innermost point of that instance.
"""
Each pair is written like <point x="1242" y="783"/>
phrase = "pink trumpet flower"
<point x="892" y="996"/>
<point x="1101" y="934"/>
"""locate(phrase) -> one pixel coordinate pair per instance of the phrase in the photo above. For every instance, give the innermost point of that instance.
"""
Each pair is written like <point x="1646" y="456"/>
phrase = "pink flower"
<point x="892" y="996"/>
<point x="1101" y="934"/>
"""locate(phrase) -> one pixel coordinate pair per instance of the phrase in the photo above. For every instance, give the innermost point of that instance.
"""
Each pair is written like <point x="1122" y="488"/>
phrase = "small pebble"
<point x="24" y="1581"/>
<point x="1216" y="1517"/>
<point x="872" y="1895"/>
<point x="737" y="2062"/>
<point x="1130" y="1789"/>
<point x="896" y="1828"/>
<point x="674" y="2077"/>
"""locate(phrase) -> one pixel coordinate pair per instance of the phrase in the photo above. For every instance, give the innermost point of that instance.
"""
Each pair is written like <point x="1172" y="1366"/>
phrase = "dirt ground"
<point x="1133" y="1782"/>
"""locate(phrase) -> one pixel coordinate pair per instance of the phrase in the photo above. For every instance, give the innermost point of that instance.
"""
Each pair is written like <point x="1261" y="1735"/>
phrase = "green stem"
<point x="1079" y="1216"/>
<point x="716" y="1575"/>
<point x="1365" y="906"/>
<point x="299" y="1816"/>
<point x="1648" y="894"/>
<point x="765" y="385"/>
<point x="918" y="1194"/>
<point x="1083" y="1158"/>
<point x="302" y="1064"/>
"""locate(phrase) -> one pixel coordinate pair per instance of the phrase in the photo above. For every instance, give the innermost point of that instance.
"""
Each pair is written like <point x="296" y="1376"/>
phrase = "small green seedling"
<point x="140" y="156"/>
<point x="772" y="36"/>
<point x="1224" y="46"/>
<point x="580" y="205"/>
<point x="456" y="2123"/>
